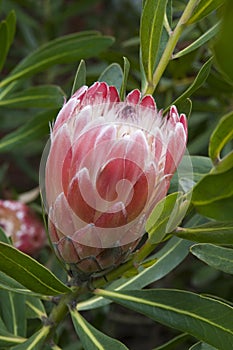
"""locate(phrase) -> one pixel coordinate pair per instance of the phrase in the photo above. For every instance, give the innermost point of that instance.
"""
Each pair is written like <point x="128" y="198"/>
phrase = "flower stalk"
<point x="171" y="44"/>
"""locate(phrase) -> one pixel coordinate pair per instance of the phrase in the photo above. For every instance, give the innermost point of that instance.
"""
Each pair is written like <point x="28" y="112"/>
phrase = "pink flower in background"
<point x="22" y="226"/>
<point x="109" y="163"/>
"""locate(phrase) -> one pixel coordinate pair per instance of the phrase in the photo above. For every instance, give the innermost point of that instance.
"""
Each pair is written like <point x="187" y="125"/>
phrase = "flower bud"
<point x="22" y="226"/>
<point x="108" y="164"/>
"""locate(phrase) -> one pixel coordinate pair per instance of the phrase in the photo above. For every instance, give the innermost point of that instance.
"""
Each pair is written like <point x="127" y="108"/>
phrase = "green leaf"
<point x="172" y="344"/>
<point x="223" y="48"/>
<point x="224" y="165"/>
<point x="186" y="107"/>
<point x="218" y="257"/>
<point x="44" y="96"/>
<point x="69" y="48"/>
<point x="188" y="174"/>
<point x="36" y="127"/>
<point x="125" y="78"/>
<point x="8" y="339"/>
<point x="80" y="77"/>
<point x="3" y="43"/>
<point x="35" y="342"/>
<point x="202" y="317"/>
<point x="29" y="272"/>
<point x="166" y="216"/>
<point x="168" y="258"/>
<point x="199" y="42"/>
<point x="92" y="338"/>
<point x="202" y="346"/>
<point x="9" y="284"/>
<point x="3" y="237"/>
<point x="203" y="9"/>
<point x="150" y="33"/>
<point x="12" y="308"/>
<point x="211" y="232"/>
<point x="11" y="27"/>
<point x="222" y="134"/>
<point x="7" y="32"/>
<point x="112" y="75"/>
<point x="213" y="199"/>
<point x="35" y="308"/>
<point x="198" y="82"/>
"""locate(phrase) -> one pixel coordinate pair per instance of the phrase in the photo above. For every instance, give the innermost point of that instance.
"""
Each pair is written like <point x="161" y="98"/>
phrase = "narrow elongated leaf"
<point x="29" y="272"/>
<point x="80" y="77"/>
<point x="218" y="257"/>
<point x="168" y="258"/>
<point x="92" y="338"/>
<point x="35" y="342"/>
<point x="3" y="237"/>
<point x="172" y="344"/>
<point x="45" y="96"/>
<point x="222" y="134"/>
<point x="213" y="199"/>
<point x="35" y="308"/>
<point x="112" y="75"/>
<point x="223" y="48"/>
<point x="198" y="82"/>
<point x="36" y="127"/>
<point x="150" y="33"/>
<point x="189" y="174"/>
<point x="11" y="26"/>
<point x="211" y="232"/>
<point x="204" y="8"/>
<point x="7" y="32"/>
<point x="199" y="42"/>
<point x="202" y="317"/>
<point x="224" y="165"/>
<point x="69" y="48"/>
<point x="7" y="339"/>
<point x="3" y="43"/>
<point x="12" y="308"/>
<point x="9" y="284"/>
<point x="166" y="216"/>
<point x="202" y="346"/>
<point x="125" y="78"/>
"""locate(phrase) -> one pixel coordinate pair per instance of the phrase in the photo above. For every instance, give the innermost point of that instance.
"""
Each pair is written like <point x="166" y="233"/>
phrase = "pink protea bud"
<point x="22" y="226"/>
<point x="109" y="163"/>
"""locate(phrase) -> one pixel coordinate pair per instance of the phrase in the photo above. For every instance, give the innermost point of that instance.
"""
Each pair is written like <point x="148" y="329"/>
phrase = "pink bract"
<point x="109" y="163"/>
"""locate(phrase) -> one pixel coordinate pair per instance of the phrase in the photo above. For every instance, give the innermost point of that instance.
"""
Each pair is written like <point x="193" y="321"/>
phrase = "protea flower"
<point x="109" y="163"/>
<point x="22" y="226"/>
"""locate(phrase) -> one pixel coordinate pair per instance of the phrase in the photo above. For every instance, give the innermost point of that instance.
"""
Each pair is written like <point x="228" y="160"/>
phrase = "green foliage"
<point x="218" y="257"/>
<point x="166" y="216"/>
<point x="163" y="262"/>
<point x="204" y="8"/>
<point x="91" y="338"/>
<point x="36" y="127"/>
<point x="211" y="232"/>
<point x="150" y="33"/>
<point x="112" y="75"/>
<point x="66" y="49"/>
<point x="80" y="77"/>
<point x="7" y="32"/>
<point x="197" y="315"/>
<point x="222" y="134"/>
<point x="211" y="198"/>
<point x="223" y="46"/>
<point x="29" y="272"/>
<point x="183" y="50"/>
<point x="199" y="80"/>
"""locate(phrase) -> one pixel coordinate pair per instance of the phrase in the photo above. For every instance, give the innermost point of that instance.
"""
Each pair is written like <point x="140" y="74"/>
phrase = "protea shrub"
<point x="22" y="226"/>
<point x="108" y="165"/>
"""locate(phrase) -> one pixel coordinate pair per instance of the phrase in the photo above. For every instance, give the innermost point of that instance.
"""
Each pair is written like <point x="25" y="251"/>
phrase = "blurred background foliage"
<point x="24" y="127"/>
